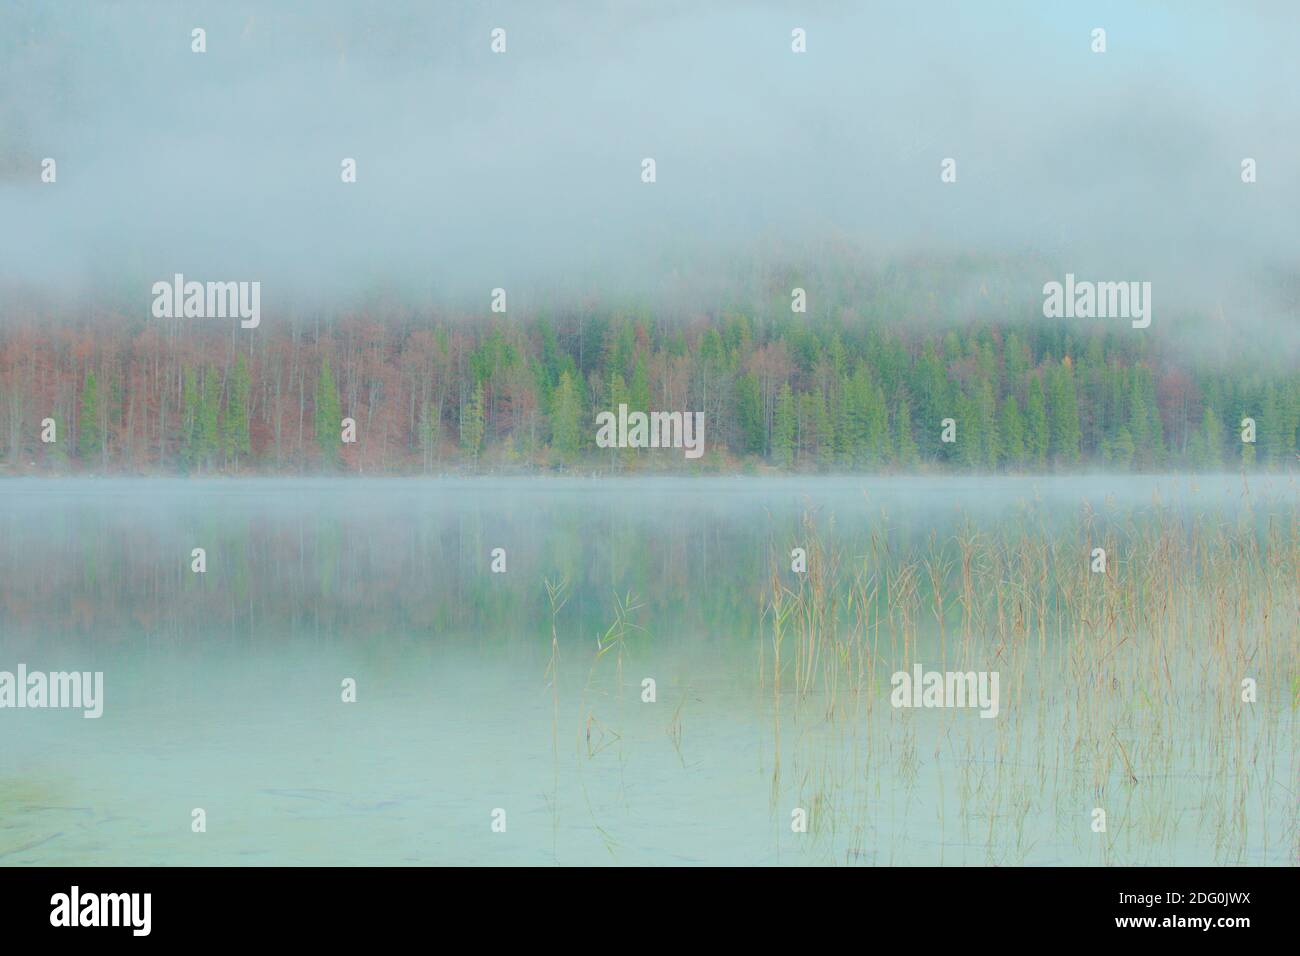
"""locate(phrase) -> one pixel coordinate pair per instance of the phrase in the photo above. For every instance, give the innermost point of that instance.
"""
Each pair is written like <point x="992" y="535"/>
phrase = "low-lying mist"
<point x="523" y="169"/>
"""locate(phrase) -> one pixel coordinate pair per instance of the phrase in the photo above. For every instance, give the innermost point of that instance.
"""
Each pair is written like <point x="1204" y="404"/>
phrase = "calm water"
<point x="223" y="689"/>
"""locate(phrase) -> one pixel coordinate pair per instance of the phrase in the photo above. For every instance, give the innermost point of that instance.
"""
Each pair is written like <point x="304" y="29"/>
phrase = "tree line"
<point x="790" y="393"/>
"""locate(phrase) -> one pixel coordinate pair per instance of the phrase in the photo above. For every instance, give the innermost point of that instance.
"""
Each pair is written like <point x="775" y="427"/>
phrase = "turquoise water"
<point x="223" y="690"/>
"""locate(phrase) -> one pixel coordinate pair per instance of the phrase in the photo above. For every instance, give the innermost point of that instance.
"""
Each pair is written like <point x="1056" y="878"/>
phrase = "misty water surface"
<point x="222" y="689"/>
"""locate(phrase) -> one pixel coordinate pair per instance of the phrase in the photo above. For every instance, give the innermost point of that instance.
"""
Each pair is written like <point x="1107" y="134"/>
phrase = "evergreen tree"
<point x="1011" y="432"/>
<point x="1122" y="449"/>
<point x="1144" y="420"/>
<point x="854" y="427"/>
<point x="906" y="451"/>
<point x="234" y="421"/>
<point x="471" y="424"/>
<point x="616" y="396"/>
<point x="969" y="448"/>
<point x="816" y="439"/>
<point x="90" y="439"/>
<point x="876" y="438"/>
<point x="208" y="436"/>
<point x="847" y="440"/>
<point x="987" y="411"/>
<point x="1212" y="440"/>
<point x="639" y="391"/>
<point x="783" y="428"/>
<point x="933" y="401"/>
<point x="328" y="415"/>
<point x="1036" y="431"/>
<point x="1014" y="362"/>
<point x="189" y="428"/>
<point x="1064" y="430"/>
<point x="749" y="415"/>
<point x="1139" y="416"/>
<point x="566" y="414"/>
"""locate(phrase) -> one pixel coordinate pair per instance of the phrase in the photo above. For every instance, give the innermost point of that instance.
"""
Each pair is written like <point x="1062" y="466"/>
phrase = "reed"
<point x="1120" y="690"/>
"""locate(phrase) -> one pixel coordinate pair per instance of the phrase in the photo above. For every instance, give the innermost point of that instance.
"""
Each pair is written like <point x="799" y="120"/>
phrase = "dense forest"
<point x="433" y="395"/>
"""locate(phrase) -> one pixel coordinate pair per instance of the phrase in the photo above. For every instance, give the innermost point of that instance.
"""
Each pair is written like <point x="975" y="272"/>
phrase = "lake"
<point x="498" y="720"/>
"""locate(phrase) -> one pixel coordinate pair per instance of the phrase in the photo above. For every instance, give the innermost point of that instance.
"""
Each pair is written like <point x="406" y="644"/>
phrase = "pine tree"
<point x="90" y="439"/>
<point x="1212" y="440"/>
<point x="234" y="419"/>
<point x="877" y="428"/>
<point x="1036" y="431"/>
<point x="934" y="401"/>
<point x="471" y="424"/>
<point x="783" y="428"/>
<point x="1144" y="419"/>
<point x="1014" y="364"/>
<point x="1139" y="418"/>
<point x="987" y="410"/>
<point x="189" y="428"/>
<point x="566" y="413"/>
<point x="1011" y="432"/>
<point x="854" y="431"/>
<point x="639" y="391"/>
<point x="1064" y="430"/>
<point x="1122" y="449"/>
<point x="328" y="415"/>
<point x="816" y="439"/>
<point x="616" y="396"/>
<point x="208" y="439"/>
<point x="906" y="452"/>
<point x="969" y="448"/>
<point x="846" y="439"/>
<point x="749" y="415"/>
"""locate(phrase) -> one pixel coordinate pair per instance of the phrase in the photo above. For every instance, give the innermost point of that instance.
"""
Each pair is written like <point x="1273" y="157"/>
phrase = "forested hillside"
<point x="430" y="395"/>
